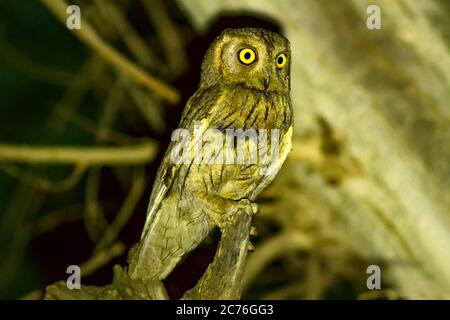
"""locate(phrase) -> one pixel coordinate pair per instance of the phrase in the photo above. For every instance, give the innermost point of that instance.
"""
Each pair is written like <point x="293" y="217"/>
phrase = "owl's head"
<point x="250" y="57"/>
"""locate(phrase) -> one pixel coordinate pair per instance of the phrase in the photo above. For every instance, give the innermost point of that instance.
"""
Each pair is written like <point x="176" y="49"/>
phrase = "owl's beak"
<point x="266" y="82"/>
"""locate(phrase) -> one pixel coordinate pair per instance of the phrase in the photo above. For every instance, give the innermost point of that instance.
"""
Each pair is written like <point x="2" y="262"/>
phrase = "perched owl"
<point x="245" y="85"/>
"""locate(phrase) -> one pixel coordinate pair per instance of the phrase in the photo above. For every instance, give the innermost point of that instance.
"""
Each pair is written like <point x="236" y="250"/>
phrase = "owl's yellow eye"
<point x="281" y="60"/>
<point x="247" y="56"/>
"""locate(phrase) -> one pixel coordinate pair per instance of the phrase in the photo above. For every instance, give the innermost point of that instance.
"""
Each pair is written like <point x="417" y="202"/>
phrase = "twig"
<point x="275" y="246"/>
<point x="102" y="258"/>
<point x="89" y="36"/>
<point x="19" y="213"/>
<point x="168" y="34"/>
<point x="37" y="294"/>
<point x="25" y="64"/>
<point x="126" y="210"/>
<point x="389" y="294"/>
<point x="136" y="154"/>
<point x="289" y="291"/>
<point x="94" y="218"/>
<point x="54" y="219"/>
<point x="42" y="183"/>
<point x="148" y="106"/>
<point x="88" y="125"/>
<point x="75" y="93"/>
<point x="131" y="38"/>
<point x="24" y="211"/>
<point x="122" y="287"/>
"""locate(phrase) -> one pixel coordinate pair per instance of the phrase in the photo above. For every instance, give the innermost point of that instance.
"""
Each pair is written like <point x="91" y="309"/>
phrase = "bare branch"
<point x="88" y="156"/>
<point x="89" y="36"/>
<point x="223" y="278"/>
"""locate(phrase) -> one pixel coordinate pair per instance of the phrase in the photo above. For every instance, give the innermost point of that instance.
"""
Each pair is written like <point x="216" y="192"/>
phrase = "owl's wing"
<point x="196" y="109"/>
<point x="272" y="170"/>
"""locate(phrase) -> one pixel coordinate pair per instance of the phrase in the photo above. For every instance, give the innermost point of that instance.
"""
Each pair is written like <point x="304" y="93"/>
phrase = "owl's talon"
<point x="250" y="207"/>
<point x="253" y="231"/>
<point x="227" y="219"/>
<point x="227" y="216"/>
<point x="255" y="208"/>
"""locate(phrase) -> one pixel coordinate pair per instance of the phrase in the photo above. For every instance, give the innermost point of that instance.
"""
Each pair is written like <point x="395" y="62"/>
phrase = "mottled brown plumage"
<point x="245" y="84"/>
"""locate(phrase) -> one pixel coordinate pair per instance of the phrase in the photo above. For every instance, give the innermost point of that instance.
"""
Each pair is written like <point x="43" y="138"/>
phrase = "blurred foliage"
<point x="366" y="183"/>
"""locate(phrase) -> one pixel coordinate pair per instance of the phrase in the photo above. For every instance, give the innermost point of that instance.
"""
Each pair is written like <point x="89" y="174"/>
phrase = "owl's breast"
<point x="239" y="181"/>
<point x="251" y="165"/>
<point x="256" y="127"/>
<point x="245" y="108"/>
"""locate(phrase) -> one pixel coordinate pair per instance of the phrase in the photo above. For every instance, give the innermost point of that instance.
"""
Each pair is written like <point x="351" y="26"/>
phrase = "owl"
<point x="244" y="87"/>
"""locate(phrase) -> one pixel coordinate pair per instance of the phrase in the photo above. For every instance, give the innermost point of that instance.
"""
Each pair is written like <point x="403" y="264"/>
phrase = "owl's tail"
<point x="157" y="254"/>
<point x="146" y="266"/>
<point x="167" y="240"/>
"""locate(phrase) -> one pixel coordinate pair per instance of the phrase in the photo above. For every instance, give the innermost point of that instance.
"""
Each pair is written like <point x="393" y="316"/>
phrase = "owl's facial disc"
<point x="253" y="63"/>
<point x="248" y="56"/>
<point x="254" y="58"/>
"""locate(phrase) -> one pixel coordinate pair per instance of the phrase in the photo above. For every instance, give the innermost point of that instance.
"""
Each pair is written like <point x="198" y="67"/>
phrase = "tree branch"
<point x="89" y="36"/>
<point x="223" y="278"/>
<point x="88" y="156"/>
